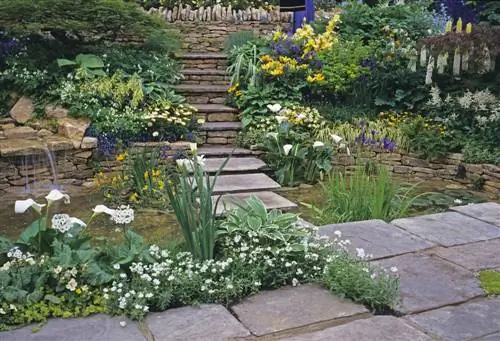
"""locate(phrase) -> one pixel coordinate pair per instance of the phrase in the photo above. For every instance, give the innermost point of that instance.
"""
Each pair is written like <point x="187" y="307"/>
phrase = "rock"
<point x="22" y="111"/>
<point x="205" y="323"/>
<point x="52" y="111"/>
<point x="26" y="133"/>
<point x="276" y="311"/>
<point x="229" y="13"/>
<point x="209" y="13"/>
<point x="175" y="13"/>
<point x="44" y="133"/>
<point x="201" y="13"/>
<point x="89" y="143"/>
<point x="168" y="17"/>
<point x="217" y="12"/>
<point x="73" y="128"/>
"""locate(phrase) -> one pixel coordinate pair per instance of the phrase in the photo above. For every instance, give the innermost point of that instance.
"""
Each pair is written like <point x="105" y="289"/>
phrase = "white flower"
<point x="318" y="144"/>
<point x="274" y="107"/>
<point x="123" y="324"/>
<point x="123" y="215"/>
<point x="338" y="234"/>
<point x="457" y="201"/>
<point x="22" y="205"/>
<point x="336" y="139"/>
<point x="280" y="119"/>
<point x="360" y="252"/>
<point x="287" y="148"/>
<point x="295" y="282"/>
<point x="56" y="195"/>
<point x="103" y="209"/>
<point x="394" y="269"/>
<point x="273" y="135"/>
<point x="2" y="312"/>
<point x="71" y="286"/>
<point x="155" y="134"/>
<point x="193" y="147"/>
<point x="63" y="222"/>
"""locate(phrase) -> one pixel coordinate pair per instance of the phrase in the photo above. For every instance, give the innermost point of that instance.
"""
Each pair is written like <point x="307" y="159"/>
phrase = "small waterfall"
<point x="52" y="161"/>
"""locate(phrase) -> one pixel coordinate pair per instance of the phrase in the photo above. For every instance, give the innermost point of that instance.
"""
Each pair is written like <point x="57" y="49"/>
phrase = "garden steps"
<point x="203" y="93"/>
<point x="271" y="201"/>
<point x="219" y="151"/>
<point x="217" y="113"/>
<point x="220" y="132"/>
<point x="234" y="165"/>
<point x="244" y="183"/>
<point x="205" y="76"/>
<point x="212" y="61"/>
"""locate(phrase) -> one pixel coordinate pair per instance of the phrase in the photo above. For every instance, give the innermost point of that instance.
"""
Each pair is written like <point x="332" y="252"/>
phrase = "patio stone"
<point x="271" y="201"/>
<point x="235" y="183"/>
<point x="464" y="322"/>
<point x="448" y="228"/>
<point x="378" y="328"/>
<point x="94" y="328"/>
<point x="377" y="237"/>
<point x="239" y="164"/>
<point x="206" y="323"/>
<point x="492" y="337"/>
<point x="475" y="256"/>
<point x="293" y="307"/>
<point x="488" y="212"/>
<point x="427" y="282"/>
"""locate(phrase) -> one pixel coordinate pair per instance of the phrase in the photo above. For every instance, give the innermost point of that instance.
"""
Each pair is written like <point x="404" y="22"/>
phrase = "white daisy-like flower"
<point x="155" y="134"/>
<point x="72" y="284"/>
<point x="123" y="215"/>
<point x="394" y="269"/>
<point x="360" y="252"/>
<point x="274" y="107"/>
<point x="457" y="201"/>
<point x="295" y="282"/>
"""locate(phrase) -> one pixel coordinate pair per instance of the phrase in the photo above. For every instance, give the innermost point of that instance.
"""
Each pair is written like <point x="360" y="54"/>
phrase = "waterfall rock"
<point x="73" y="128"/>
<point x="22" y="111"/>
<point x="55" y="111"/>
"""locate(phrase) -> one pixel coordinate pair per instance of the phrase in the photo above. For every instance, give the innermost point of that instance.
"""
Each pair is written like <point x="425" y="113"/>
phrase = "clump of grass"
<point x="490" y="282"/>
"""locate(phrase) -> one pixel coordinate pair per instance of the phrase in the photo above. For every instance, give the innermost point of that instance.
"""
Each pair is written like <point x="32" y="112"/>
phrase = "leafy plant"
<point x="89" y="65"/>
<point x="238" y="39"/>
<point x="244" y="64"/>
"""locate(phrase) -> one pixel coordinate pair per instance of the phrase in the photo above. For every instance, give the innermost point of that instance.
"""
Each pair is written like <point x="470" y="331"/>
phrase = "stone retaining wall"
<point x="450" y="168"/>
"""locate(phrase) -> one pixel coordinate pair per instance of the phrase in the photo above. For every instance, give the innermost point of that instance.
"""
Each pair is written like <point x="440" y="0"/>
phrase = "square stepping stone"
<point x="206" y="323"/>
<point x="377" y="328"/>
<point x="464" y="322"/>
<point x="271" y="201"/>
<point x="475" y="256"/>
<point x="293" y="307"/>
<point x="243" y="183"/>
<point x="377" y="237"/>
<point x="427" y="282"/>
<point x="449" y="228"/>
<point x="94" y="328"/>
<point x="488" y="212"/>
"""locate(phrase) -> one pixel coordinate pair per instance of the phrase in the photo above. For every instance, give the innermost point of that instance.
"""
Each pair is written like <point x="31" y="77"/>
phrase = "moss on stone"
<point x="490" y="282"/>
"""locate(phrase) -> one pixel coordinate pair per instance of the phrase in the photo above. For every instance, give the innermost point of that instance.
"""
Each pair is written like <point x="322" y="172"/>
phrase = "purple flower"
<point x="388" y="144"/>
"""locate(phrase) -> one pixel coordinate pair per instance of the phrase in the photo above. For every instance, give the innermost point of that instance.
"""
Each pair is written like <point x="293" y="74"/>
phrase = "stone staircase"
<point x="205" y="86"/>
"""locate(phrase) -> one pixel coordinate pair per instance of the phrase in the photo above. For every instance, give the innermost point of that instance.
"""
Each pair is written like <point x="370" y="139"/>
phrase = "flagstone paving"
<point x="441" y="296"/>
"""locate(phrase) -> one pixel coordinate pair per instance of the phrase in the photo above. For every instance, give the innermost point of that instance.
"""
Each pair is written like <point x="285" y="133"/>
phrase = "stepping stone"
<point x="202" y="56"/>
<point x="488" y="212"/>
<point x="201" y="88"/>
<point x="376" y="237"/>
<point x="287" y="308"/>
<point x="464" y="322"/>
<point x="448" y="228"/>
<point x="202" y="72"/>
<point x="244" y="183"/>
<point x="239" y="164"/>
<point x="220" y="126"/>
<point x="427" y="282"/>
<point x="475" y="257"/>
<point x="214" y="108"/>
<point x="93" y="328"/>
<point x="206" y="323"/>
<point x="377" y="328"/>
<point x="493" y="337"/>
<point x="270" y="199"/>
<point x="222" y="151"/>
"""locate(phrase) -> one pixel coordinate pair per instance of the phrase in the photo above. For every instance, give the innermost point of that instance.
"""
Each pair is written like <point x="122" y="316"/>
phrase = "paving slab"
<point x="235" y="164"/>
<point x="201" y="88"/>
<point x="377" y="328"/>
<point x="376" y="237"/>
<point x="488" y="212"/>
<point x="205" y="323"/>
<point x="293" y="307"/>
<point x="214" y="108"/>
<point x="428" y="282"/>
<point x="464" y="322"/>
<point x="270" y="199"/>
<point x="492" y="337"/>
<point x="222" y="151"/>
<point x="475" y="256"/>
<point x="220" y="126"/>
<point x="244" y="183"/>
<point x="449" y="228"/>
<point x="94" y="328"/>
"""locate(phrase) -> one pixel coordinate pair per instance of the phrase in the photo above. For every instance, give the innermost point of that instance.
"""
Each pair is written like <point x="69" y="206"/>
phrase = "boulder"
<point x="89" y="142"/>
<point x="73" y="128"/>
<point x="22" y="111"/>
<point x="57" y="111"/>
<point x="26" y="133"/>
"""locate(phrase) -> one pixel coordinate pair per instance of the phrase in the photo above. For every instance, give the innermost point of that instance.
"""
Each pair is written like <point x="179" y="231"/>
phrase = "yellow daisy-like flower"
<point x="146" y="175"/>
<point x="134" y="197"/>
<point x="121" y="156"/>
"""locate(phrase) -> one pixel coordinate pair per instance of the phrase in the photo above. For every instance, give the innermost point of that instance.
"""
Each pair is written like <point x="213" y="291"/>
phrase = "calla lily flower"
<point x="274" y="107"/>
<point x="77" y="221"/>
<point x="273" y="135"/>
<point x="280" y="119"/>
<point x="318" y="144"/>
<point x="193" y="147"/>
<point x="287" y="148"/>
<point x="56" y="195"/>
<point x="336" y="138"/>
<point x="22" y="206"/>
<point x="103" y="209"/>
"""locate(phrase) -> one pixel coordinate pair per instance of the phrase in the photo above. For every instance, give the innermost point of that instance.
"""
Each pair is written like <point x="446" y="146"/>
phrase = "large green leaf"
<point x="65" y="62"/>
<point x="32" y="231"/>
<point x="89" y="61"/>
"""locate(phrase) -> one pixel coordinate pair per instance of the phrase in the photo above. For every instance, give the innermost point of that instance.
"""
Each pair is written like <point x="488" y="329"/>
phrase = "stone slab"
<point x="492" y="337"/>
<point x="214" y="108"/>
<point x="293" y="307"/>
<point x="376" y="237"/>
<point x="218" y="126"/>
<point x="203" y="56"/>
<point x="270" y="199"/>
<point x="464" y="322"/>
<point x="238" y="164"/>
<point x="377" y="328"/>
<point x="449" y="228"/>
<point x="94" y="328"/>
<point x="235" y="183"/>
<point x="210" y="72"/>
<point x="222" y="151"/>
<point x="428" y="282"/>
<point x="205" y="323"/>
<point x="488" y="212"/>
<point x="475" y="257"/>
<point x="201" y="88"/>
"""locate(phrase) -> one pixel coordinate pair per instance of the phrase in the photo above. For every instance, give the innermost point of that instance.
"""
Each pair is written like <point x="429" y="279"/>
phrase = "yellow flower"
<point x="121" y="157"/>
<point x="161" y="185"/>
<point x="468" y="28"/>
<point x="238" y="93"/>
<point x="233" y="88"/>
<point x="134" y="197"/>
<point x="146" y="175"/>
<point x="266" y="59"/>
<point x="155" y="173"/>
<point x="78" y="291"/>
<point x="459" y="25"/>
<point x="145" y="188"/>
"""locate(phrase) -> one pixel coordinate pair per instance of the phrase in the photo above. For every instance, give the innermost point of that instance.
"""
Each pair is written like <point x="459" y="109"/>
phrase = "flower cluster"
<point x="300" y="116"/>
<point x="166" y="111"/>
<point x="395" y="119"/>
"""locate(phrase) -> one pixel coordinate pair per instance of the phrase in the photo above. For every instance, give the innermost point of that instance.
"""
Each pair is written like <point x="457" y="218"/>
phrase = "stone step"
<point x="234" y="165"/>
<point x="221" y="126"/>
<point x="207" y="61"/>
<point x="220" y="132"/>
<point x="201" y="89"/>
<point x="218" y="151"/>
<point x="270" y="199"/>
<point x="241" y="183"/>
<point x="203" y="72"/>
<point x="205" y="76"/>
<point x="217" y="113"/>
<point x="203" y="56"/>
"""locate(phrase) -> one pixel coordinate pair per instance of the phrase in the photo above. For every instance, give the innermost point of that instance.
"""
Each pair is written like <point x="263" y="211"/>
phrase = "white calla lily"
<point x="274" y="107"/>
<point x="22" y="206"/>
<point x="336" y="138"/>
<point x="193" y="147"/>
<point x="77" y="221"/>
<point x="280" y="119"/>
<point x="287" y="148"/>
<point x="318" y="144"/>
<point x="273" y="135"/>
<point x="103" y="209"/>
<point x="56" y="195"/>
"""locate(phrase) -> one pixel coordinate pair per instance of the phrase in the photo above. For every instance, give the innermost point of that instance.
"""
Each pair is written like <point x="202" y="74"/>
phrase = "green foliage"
<point x="238" y="39"/>
<point x="478" y="151"/>
<point x="362" y="195"/>
<point x="490" y="282"/>
<point x="90" y="65"/>
<point x="363" y="283"/>
<point x="244" y="64"/>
